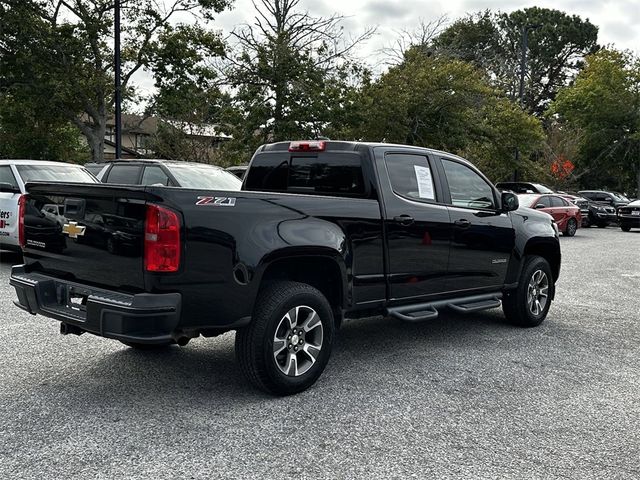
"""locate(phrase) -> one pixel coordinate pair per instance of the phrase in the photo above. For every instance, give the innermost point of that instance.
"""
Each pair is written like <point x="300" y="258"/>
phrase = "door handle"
<point x="404" y="220"/>
<point x="462" y="223"/>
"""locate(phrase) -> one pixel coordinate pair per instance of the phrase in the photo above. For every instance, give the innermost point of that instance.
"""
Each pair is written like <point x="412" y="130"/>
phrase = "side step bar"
<point x="420" y="312"/>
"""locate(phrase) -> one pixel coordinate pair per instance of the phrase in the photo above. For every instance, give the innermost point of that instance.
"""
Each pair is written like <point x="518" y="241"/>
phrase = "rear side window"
<point x="321" y="175"/>
<point x="410" y="176"/>
<point x="6" y="176"/>
<point x="124" y="174"/>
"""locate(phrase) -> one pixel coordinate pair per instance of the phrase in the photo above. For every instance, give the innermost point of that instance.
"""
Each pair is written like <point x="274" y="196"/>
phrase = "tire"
<point x="626" y="229"/>
<point x="272" y="370"/>
<point x="146" y="346"/>
<point x="602" y="225"/>
<point x="515" y="304"/>
<point x="572" y="227"/>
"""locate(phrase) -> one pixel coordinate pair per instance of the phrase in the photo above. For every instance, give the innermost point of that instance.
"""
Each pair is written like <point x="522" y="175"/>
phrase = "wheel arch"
<point x="547" y="248"/>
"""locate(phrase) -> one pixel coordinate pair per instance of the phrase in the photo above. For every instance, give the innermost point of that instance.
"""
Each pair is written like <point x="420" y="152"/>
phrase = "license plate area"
<point x="635" y="212"/>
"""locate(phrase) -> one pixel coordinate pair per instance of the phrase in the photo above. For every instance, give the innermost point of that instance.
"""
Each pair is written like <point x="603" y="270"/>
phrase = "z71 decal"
<point x="217" y="201"/>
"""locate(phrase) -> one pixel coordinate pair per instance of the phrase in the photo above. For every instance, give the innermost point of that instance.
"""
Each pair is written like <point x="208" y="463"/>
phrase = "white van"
<point x="14" y="174"/>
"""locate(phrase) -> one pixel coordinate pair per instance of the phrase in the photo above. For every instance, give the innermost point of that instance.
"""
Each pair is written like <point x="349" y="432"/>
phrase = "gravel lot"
<point x="459" y="397"/>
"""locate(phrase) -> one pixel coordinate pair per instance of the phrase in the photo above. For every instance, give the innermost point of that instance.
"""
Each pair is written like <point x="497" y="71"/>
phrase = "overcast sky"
<point x="618" y="20"/>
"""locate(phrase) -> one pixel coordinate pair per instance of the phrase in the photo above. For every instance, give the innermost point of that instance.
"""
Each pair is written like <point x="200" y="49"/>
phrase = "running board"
<point x="420" y="312"/>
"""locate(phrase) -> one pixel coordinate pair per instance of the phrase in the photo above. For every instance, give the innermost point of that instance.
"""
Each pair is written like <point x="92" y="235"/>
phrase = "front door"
<point x="417" y="226"/>
<point x="483" y="237"/>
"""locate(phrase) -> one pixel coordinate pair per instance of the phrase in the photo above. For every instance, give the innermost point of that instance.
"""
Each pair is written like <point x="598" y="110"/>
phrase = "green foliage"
<point x="449" y="105"/>
<point x="603" y="104"/>
<point x="492" y="41"/>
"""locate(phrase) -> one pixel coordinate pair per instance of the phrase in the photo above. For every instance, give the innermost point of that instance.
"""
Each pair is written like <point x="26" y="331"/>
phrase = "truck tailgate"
<point x="87" y="233"/>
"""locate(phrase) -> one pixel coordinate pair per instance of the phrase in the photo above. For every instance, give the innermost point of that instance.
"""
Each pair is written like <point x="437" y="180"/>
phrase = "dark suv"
<point x="604" y="206"/>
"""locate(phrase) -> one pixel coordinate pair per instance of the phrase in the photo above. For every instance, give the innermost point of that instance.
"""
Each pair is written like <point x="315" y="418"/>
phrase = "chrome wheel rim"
<point x="297" y="341"/>
<point x="538" y="292"/>
<point x="572" y="228"/>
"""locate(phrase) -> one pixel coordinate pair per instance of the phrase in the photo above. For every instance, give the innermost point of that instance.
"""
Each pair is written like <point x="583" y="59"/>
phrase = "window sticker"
<point x="425" y="183"/>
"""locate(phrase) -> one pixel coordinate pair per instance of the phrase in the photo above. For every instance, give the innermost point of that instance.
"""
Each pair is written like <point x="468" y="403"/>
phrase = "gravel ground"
<point x="459" y="397"/>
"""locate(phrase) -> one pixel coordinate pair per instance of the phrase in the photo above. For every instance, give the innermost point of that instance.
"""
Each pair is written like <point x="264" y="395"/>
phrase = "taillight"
<point x="22" y="204"/>
<point x="161" y="240"/>
<point x="307" y="146"/>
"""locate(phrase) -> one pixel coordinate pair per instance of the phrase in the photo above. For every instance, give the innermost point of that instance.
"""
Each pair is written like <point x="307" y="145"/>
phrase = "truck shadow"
<point x="206" y="373"/>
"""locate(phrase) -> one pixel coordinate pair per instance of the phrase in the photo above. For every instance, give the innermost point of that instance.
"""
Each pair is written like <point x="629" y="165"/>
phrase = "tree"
<point x="292" y="74"/>
<point x="604" y="105"/>
<point x="557" y="45"/>
<point x="59" y="52"/>
<point x="450" y="105"/>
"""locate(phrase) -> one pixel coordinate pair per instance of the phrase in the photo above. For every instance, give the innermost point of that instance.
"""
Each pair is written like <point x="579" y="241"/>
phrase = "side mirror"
<point x="608" y="200"/>
<point x="540" y="205"/>
<point x="8" y="188"/>
<point x="509" y="202"/>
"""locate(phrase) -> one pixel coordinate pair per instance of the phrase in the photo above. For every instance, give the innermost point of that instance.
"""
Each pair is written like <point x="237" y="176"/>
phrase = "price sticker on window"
<point x="425" y="182"/>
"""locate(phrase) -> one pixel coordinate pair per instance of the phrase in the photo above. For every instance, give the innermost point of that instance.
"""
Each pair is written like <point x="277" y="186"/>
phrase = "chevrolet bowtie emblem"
<point x="73" y="229"/>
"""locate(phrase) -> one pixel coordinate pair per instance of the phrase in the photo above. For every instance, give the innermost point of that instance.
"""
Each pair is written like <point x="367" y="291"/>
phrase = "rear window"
<point x="54" y="173"/>
<point x="336" y="174"/>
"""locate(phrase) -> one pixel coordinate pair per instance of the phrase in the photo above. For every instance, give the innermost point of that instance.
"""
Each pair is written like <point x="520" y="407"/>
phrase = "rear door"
<point x="483" y="237"/>
<point x="416" y="222"/>
<point x="8" y="208"/>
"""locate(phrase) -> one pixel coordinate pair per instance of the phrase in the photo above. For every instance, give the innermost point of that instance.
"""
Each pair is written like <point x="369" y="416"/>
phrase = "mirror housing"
<point x="540" y="205"/>
<point x="509" y="201"/>
<point x="8" y="188"/>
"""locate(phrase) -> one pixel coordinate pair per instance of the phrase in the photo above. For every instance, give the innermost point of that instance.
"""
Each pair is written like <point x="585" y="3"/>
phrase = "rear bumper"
<point x="142" y="318"/>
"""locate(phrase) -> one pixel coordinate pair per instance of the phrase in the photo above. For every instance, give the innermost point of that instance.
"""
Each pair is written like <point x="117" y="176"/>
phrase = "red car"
<point x="566" y="215"/>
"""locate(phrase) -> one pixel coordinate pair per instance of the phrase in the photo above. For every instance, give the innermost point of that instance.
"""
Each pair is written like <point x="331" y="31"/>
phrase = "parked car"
<point x="14" y="174"/>
<point x="604" y="206"/>
<point x="523" y="187"/>
<point x="629" y="216"/>
<point x="238" y="170"/>
<point x="566" y="215"/>
<point x="321" y="230"/>
<point x="583" y="204"/>
<point x="170" y="173"/>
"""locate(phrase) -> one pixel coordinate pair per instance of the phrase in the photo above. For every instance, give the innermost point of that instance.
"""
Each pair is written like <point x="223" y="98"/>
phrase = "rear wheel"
<point x="572" y="227"/>
<point x="528" y="304"/>
<point x="288" y="343"/>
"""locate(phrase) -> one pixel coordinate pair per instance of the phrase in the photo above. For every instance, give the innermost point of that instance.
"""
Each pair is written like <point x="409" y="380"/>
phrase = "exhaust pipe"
<point x="66" y="329"/>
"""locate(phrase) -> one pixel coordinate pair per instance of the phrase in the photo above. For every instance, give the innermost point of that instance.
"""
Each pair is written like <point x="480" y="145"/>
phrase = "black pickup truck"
<point x="319" y="232"/>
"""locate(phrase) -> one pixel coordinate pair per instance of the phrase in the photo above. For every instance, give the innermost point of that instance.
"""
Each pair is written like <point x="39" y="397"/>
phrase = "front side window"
<point x="544" y="201"/>
<point x="410" y="176"/>
<point x="154" y="175"/>
<point x="6" y="176"/>
<point x="467" y="188"/>
<point x="558" y="202"/>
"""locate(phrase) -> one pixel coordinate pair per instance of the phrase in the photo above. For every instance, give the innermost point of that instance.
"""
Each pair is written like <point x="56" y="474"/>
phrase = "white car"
<point x="14" y="174"/>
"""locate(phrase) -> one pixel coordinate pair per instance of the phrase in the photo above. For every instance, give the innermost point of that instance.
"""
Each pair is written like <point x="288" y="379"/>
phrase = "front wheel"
<point x="626" y="229"/>
<point x="602" y="225"/>
<point x="528" y="304"/>
<point x="288" y="343"/>
<point x="572" y="227"/>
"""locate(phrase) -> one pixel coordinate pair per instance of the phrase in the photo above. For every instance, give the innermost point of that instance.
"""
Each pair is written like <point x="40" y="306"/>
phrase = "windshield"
<point x="542" y="188"/>
<point x="619" y="196"/>
<point x="54" y="173"/>
<point x="206" y="177"/>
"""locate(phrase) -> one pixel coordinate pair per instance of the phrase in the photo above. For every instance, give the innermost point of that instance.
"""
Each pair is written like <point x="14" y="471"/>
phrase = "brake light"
<point x="161" y="240"/>
<point x="307" y="146"/>
<point x="22" y="206"/>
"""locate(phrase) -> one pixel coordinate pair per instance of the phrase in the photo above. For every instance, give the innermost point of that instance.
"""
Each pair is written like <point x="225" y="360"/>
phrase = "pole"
<point x="118" y="99"/>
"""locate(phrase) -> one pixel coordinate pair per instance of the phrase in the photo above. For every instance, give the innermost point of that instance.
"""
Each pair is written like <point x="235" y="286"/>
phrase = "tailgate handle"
<point x="74" y="208"/>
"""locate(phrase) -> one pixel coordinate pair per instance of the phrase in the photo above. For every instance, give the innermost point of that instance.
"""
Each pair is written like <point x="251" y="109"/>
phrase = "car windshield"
<point x="542" y="188"/>
<point x="619" y="196"/>
<point x="527" y="200"/>
<point x="54" y="173"/>
<point x="205" y="177"/>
